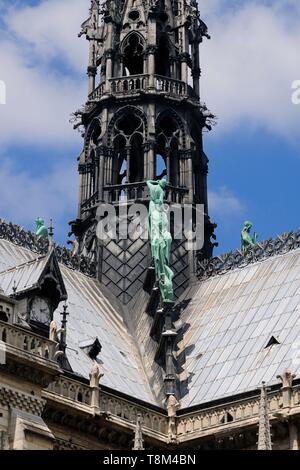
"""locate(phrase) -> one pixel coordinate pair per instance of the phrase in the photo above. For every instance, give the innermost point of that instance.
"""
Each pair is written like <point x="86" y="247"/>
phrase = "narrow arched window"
<point x="133" y="55"/>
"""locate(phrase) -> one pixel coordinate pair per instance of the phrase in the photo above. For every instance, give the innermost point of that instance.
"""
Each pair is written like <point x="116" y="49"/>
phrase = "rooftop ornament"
<point x="41" y="229"/>
<point x="247" y="240"/>
<point x="160" y="238"/>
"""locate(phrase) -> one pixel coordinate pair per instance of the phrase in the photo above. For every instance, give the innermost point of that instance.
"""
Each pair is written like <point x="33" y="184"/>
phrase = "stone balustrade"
<point x="117" y="409"/>
<point x="205" y="422"/>
<point x="139" y="191"/>
<point x="23" y="340"/>
<point x="142" y="83"/>
<point x="237" y="414"/>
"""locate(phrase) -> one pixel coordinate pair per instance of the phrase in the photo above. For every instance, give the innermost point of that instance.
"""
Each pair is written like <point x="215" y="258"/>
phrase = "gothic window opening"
<point x="136" y="159"/>
<point x="128" y="149"/>
<point x="134" y="15"/>
<point x="168" y="142"/>
<point x="227" y="418"/>
<point x="120" y="161"/>
<point x="162" y="59"/>
<point x="133" y="50"/>
<point x="174" y="163"/>
<point x="161" y="168"/>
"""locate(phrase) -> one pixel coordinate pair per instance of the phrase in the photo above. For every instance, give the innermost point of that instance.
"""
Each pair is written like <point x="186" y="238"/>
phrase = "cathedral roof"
<point x="239" y="324"/>
<point x="242" y="327"/>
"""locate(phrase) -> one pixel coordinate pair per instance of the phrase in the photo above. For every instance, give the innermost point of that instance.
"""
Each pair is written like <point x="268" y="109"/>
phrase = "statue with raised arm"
<point x="247" y="240"/>
<point x="160" y="238"/>
<point x="41" y="229"/>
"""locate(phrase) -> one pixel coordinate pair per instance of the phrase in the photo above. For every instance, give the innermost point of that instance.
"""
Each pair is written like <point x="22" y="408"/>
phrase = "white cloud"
<point x="24" y="197"/>
<point x="40" y="97"/>
<point x="250" y="63"/>
<point x="50" y="29"/>
<point x="223" y="203"/>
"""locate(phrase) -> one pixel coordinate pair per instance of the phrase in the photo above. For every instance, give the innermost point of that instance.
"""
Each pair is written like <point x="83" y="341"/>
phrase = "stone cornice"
<point x="238" y="259"/>
<point x="25" y="239"/>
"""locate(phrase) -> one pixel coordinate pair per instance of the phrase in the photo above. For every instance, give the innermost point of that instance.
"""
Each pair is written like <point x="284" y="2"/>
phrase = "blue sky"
<point x="247" y="71"/>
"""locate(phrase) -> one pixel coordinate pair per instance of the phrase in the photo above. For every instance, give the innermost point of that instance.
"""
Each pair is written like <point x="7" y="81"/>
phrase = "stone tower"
<point x="143" y="120"/>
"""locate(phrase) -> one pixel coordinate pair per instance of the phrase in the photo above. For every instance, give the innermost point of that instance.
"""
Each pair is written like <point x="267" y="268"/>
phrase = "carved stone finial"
<point x="51" y="233"/>
<point x="286" y="378"/>
<point x="53" y="331"/>
<point x="287" y="382"/>
<point x="264" y="432"/>
<point x="172" y="407"/>
<point x="95" y="375"/>
<point x="138" y="435"/>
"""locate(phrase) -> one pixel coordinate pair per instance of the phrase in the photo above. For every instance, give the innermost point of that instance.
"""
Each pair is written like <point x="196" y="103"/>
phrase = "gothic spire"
<point x="264" y="432"/>
<point x="138" y="435"/>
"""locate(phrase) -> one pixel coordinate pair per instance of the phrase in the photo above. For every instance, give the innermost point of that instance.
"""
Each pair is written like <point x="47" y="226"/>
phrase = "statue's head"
<point x="248" y="225"/>
<point x="163" y="182"/>
<point x="39" y="222"/>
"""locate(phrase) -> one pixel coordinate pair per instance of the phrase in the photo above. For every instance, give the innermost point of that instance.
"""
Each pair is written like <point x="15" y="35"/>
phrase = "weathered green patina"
<point x="41" y="229"/>
<point x="247" y="240"/>
<point x="160" y="238"/>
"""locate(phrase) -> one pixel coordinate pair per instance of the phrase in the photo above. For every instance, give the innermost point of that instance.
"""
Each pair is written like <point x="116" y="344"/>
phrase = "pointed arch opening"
<point x="162" y="57"/>
<point x="168" y="138"/>
<point x="133" y="50"/>
<point x="136" y="159"/>
<point x="120" y="165"/>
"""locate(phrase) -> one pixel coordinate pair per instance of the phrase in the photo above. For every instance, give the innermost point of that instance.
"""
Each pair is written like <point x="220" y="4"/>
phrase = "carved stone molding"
<point x="14" y="399"/>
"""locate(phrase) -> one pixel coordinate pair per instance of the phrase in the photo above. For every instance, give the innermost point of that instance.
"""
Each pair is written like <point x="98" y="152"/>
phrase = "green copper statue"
<point x="160" y="238"/>
<point x="247" y="240"/>
<point x="41" y="229"/>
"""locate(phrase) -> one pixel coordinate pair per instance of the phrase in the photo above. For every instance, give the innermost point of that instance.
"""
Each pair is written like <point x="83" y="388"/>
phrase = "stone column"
<point x="196" y="80"/>
<point x="150" y="165"/>
<point x="92" y="72"/>
<point x="151" y="65"/>
<point x="100" y="151"/>
<point x="293" y="433"/>
<point x="109" y="69"/>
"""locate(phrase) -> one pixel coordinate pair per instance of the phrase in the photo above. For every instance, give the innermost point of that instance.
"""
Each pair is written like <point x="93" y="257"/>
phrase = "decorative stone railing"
<point x="139" y="191"/>
<point x="125" y="192"/>
<point x="237" y="259"/>
<point x="170" y="86"/>
<point x="30" y="241"/>
<point x="91" y="202"/>
<point x="97" y="93"/>
<point x="71" y="390"/>
<point x="137" y="83"/>
<point x="27" y="342"/>
<point x="129" y="84"/>
<point x="227" y="417"/>
<point x="118" y="410"/>
<point x="239" y="414"/>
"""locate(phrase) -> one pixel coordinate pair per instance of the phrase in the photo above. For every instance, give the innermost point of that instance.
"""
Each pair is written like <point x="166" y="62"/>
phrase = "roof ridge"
<point x="28" y="240"/>
<point x="284" y="243"/>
